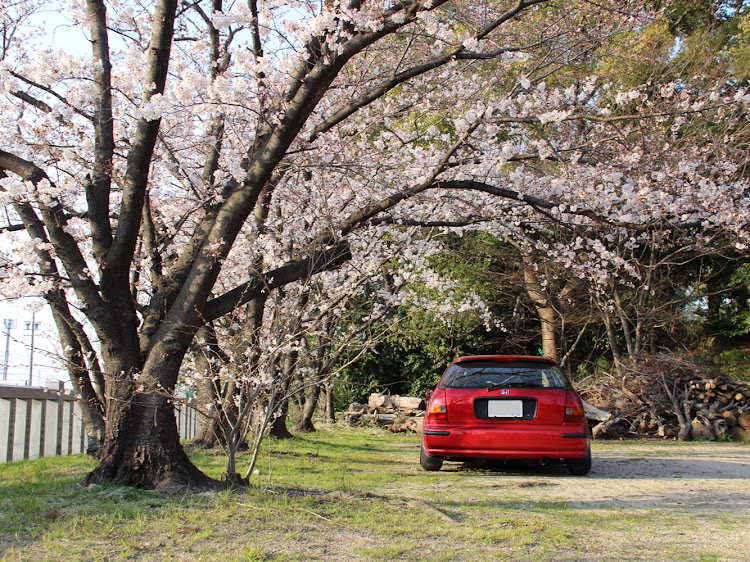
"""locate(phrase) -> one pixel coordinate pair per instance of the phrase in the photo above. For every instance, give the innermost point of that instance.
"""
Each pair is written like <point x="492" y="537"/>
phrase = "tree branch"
<point x="401" y="77"/>
<point x="319" y="261"/>
<point x="53" y="227"/>
<point x="52" y="93"/>
<point x="98" y="189"/>
<point x="136" y="177"/>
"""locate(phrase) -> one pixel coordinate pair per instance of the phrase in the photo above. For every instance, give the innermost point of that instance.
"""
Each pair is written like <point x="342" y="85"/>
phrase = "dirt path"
<point x="652" y="476"/>
<point x="645" y="475"/>
<point x="671" y="500"/>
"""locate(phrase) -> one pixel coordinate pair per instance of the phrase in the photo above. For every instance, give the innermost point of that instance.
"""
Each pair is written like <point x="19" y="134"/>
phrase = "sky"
<point x="20" y="364"/>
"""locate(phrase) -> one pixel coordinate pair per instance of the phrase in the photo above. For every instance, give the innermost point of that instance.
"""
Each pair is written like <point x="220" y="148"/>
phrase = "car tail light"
<point x="437" y="408"/>
<point x="573" y="408"/>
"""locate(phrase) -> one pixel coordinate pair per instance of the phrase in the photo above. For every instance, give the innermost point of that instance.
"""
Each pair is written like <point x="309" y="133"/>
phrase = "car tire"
<point x="432" y="464"/>
<point x="582" y="466"/>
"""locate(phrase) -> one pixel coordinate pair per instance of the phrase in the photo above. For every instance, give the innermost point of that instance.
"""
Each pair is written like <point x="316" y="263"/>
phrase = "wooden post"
<point x="71" y="426"/>
<point x="27" y="433"/>
<point x="60" y="419"/>
<point x="43" y="429"/>
<point x="11" y="430"/>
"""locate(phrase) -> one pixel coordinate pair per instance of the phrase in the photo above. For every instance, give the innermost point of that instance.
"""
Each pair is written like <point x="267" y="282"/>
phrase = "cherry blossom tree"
<point x="207" y="154"/>
<point x="134" y="172"/>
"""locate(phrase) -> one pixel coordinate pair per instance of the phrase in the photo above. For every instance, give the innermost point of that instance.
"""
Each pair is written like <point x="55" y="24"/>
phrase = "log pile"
<point x="398" y="413"/>
<point x="672" y="397"/>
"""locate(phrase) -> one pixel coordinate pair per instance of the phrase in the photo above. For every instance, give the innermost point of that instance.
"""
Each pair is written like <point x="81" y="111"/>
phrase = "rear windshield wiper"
<point x="499" y="385"/>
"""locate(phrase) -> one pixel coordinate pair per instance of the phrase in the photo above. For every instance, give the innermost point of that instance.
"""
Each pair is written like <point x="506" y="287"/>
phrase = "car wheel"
<point x="429" y="463"/>
<point x="580" y="467"/>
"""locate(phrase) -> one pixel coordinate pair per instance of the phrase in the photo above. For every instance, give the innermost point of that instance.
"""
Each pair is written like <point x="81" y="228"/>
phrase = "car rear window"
<point x="503" y="375"/>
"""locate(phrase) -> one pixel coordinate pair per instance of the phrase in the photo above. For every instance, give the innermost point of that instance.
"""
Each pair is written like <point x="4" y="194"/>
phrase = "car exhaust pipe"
<point x="544" y="462"/>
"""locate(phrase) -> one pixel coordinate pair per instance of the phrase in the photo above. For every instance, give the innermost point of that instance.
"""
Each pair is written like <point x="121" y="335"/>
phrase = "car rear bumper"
<point x="555" y="442"/>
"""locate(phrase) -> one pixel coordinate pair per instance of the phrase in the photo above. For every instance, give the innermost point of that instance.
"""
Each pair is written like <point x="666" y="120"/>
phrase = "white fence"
<point x="38" y="422"/>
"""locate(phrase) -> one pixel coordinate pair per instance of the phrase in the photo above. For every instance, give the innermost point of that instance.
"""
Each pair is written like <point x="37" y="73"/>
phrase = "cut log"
<point x="380" y="402"/>
<point x="384" y="402"/>
<point x="357" y="408"/>
<point x="412" y="424"/>
<point x="381" y="419"/>
<point x="408" y="402"/>
<point x="739" y="434"/>
<point x="607" y="428"/>
<point x="701" y="430"/>
<point x="730" y="418"/>
<point x="744" y="420"/>
<point x="594" y="413"/>
<point x="720" y="427"/>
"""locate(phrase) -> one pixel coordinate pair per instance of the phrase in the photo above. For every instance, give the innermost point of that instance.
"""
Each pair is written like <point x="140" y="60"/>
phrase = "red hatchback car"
<point x="505" y="407"/>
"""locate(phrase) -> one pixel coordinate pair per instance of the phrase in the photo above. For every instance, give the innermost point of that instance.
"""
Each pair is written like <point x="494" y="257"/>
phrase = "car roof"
<point x="504" y="359"/>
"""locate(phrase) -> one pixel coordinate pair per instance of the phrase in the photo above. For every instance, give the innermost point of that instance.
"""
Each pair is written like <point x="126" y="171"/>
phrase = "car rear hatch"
<point x="508" y="406"/>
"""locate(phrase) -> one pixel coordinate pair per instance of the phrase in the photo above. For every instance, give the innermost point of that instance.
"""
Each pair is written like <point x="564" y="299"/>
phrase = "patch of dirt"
<point x="686" y="497"/>
<point x="644" y="475"/>
<point x="650" y="476"/>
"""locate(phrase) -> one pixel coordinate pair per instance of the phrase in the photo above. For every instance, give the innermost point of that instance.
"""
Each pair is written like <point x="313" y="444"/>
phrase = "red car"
<point x="505" y="407"/>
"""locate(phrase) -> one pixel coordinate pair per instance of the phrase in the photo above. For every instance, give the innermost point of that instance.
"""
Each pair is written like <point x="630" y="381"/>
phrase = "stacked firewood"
<point x="399" y="413"/>
<point x="672" y="397"/>
<point x="721" y="407"/>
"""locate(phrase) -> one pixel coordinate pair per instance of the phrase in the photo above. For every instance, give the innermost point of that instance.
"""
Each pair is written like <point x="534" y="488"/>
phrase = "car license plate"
<point x="505" y="409"/>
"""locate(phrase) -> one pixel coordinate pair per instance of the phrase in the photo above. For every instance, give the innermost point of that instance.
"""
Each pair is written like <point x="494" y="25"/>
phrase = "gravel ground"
<point x="656" y="500"/>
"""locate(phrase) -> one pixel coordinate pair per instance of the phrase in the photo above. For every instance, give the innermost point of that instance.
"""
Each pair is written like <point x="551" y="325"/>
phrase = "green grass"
<point x="344" y="494"/>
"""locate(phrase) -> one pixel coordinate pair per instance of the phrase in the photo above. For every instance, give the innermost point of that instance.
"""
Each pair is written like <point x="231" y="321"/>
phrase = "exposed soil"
<point x="646" y="475"/>
<point x="665" y="500"/>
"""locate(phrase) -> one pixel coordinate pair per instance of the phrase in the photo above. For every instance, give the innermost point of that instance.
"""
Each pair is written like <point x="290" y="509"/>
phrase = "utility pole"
<point x="33" y="325"/>
<point x="9" y="324"/>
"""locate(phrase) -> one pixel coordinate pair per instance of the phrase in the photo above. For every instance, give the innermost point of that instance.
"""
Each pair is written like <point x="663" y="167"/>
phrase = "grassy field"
<point x="359" y="494"/>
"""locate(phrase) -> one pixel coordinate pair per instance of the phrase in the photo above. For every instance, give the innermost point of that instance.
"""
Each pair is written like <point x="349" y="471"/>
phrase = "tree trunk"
<point x="625" y="323"/>
<point x="208" y="434"/>
<point x="548" y="319"/>
<point x="330" y="414"/>
<point x="544" y="309"/>
<point x="613" y="345"/>
<point x="212" y="420"/>
<point x="142" y="447"/>
<point x="89" y="402"/>
<point x="278" y="427"/>
<point x="304" y="423"/>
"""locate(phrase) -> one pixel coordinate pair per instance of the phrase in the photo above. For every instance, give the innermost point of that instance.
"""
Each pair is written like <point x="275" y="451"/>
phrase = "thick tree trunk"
<point x="142" y="447"/>
<point x="279" y="429"/>
<point x="548" y="320"/>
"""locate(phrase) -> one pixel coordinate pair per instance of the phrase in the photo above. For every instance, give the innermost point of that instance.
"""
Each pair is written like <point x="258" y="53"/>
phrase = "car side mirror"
<point x="428" y="394"/>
